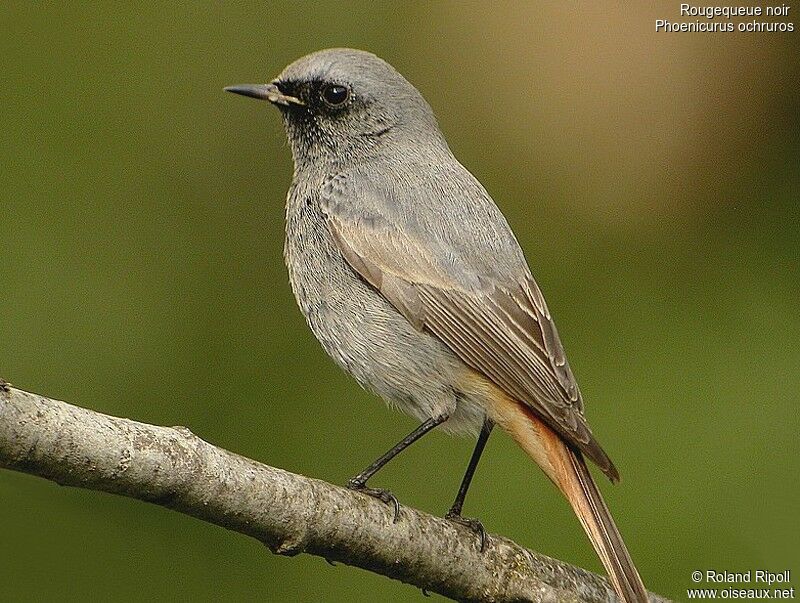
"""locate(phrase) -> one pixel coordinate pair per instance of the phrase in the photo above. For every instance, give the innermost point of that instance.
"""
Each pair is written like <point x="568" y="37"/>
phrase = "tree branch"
<point x="171" y="467"/>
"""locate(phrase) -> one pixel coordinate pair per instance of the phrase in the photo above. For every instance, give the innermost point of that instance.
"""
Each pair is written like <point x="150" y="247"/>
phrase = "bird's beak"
<point x="269" y="92"/>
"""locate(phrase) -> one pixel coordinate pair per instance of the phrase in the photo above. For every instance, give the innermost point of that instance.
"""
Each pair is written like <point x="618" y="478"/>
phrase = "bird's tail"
<point x="596" y="519"/>
<point x="567" y="469"/>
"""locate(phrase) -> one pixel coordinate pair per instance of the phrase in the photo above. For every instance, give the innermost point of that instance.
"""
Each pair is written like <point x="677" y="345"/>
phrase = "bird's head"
<point x="342" y="104"/>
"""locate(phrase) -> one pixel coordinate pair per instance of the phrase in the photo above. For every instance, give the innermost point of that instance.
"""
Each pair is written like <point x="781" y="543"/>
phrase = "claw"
<point x="379" y="493"/>
<point x="473" y="524"/>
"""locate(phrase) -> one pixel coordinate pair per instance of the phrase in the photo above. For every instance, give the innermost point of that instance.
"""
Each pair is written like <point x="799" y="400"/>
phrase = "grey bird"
<point x="411" y="279"/>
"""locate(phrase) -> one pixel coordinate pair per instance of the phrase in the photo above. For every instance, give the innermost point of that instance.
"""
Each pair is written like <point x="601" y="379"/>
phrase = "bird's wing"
<point x="464" y="286"/>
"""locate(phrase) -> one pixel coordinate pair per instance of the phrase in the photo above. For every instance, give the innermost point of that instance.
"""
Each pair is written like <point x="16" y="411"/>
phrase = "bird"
<point x="413" y="282"/>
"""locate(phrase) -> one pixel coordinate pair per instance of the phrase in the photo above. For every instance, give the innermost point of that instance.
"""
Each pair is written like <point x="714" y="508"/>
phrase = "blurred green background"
<point x="651" y="178"/>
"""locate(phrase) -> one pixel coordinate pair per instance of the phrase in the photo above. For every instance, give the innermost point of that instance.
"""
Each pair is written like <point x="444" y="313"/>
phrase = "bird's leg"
<point x="454" y="514"/>
<point x="359" y="482"/>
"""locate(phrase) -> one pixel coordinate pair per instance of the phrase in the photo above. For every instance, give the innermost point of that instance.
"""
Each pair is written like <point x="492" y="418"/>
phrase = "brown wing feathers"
<point x="503" y="329"/>
<point x="481" y="340"/>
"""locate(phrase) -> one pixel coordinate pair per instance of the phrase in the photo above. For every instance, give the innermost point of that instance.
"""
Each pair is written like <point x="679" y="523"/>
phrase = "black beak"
<point x="268" y="92"/>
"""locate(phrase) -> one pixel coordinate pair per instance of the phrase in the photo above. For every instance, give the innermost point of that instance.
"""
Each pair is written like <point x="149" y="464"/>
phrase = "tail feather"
<point x="567" y="469"/>
<point x="596" y="520"/>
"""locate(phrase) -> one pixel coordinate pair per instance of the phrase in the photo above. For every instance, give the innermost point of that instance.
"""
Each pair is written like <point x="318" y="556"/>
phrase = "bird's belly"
<point x="366" y="336"/>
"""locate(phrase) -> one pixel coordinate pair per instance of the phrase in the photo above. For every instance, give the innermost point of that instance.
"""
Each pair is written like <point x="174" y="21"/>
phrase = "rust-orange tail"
<point x="567" y="469"/>
<point x="596" y="519"/>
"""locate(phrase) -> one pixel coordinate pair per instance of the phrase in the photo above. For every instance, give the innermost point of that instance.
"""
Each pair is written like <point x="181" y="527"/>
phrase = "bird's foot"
<point x="379" y="493"/>
<point x="473" y="524"/>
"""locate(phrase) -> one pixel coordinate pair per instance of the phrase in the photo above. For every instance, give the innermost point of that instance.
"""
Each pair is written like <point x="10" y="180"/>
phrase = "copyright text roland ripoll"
<point x="753" y="585"/>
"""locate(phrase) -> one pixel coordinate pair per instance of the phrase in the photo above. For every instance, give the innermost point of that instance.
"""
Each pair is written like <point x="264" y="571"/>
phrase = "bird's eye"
<point x="335" y="94"/>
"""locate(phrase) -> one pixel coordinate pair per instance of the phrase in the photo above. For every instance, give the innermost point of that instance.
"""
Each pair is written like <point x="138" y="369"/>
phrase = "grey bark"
<point x="291" y="514"/>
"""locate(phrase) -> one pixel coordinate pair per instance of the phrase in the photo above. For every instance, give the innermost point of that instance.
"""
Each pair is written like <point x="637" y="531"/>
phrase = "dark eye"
<point x="335" y="94"/>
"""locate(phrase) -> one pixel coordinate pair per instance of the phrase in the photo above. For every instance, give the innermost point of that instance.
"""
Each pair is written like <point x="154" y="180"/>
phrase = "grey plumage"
<point x="423" y="231"/>
<point x="362" y="331"/>
<point x="411" y="278"/>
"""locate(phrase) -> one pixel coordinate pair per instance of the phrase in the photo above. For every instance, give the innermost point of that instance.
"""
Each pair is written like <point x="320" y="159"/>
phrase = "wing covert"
<point x="494" y="318"/>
